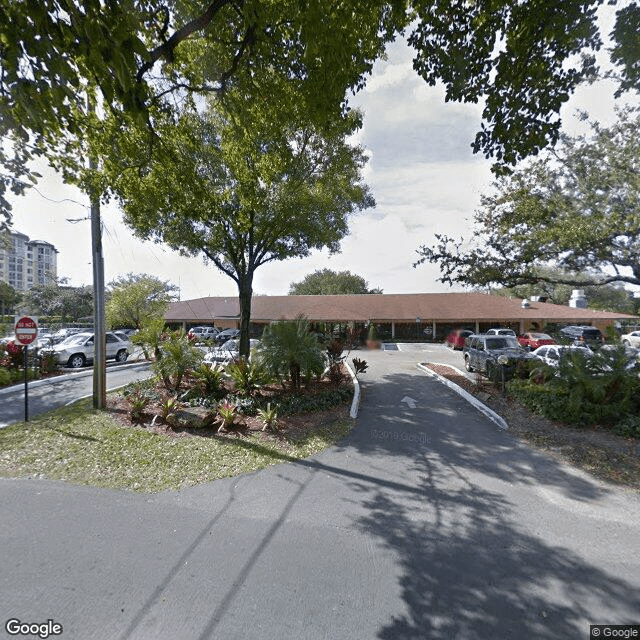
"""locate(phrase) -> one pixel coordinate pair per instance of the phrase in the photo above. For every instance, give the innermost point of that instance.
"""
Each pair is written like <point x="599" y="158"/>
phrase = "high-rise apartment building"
<point x="25" y="263"/>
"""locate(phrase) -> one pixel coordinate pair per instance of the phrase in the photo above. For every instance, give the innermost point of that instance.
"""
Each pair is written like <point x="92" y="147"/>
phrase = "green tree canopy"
<point x="577" y="209"/>
<point x="136" y="299"/>
<point x="327" y="282"/>
<point x="9" y="298"/>
<point x="247" y="191"/>
<point x="141" y="58"/>
<point x="606" y="297"/>
<point x="58" y="299"/>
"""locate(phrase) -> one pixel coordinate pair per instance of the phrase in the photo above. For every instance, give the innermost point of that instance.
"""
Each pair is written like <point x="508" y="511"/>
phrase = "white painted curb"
<point x="355" y="403"/>
<point x="492" y="415"/>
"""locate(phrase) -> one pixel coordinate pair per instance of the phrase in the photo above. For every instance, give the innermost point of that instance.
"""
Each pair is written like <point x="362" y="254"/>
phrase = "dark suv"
<point x="583" y="335"/>
<point x="481" y="353"/>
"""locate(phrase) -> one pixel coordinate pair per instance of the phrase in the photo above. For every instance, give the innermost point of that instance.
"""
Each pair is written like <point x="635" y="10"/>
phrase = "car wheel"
<point x="121" y="356"/>
<point x="76" y="361"/>
<point x="467" y="364"/>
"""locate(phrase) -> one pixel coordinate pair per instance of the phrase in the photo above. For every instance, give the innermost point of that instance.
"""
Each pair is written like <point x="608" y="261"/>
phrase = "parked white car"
<point x="228" y="351"/>
<point x="77" y="350"/>
<point x="551" y="354"/>
<point x="631" y="339"/>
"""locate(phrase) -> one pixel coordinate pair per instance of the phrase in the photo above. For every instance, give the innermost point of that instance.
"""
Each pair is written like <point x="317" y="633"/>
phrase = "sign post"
<point x="26" y="332"/>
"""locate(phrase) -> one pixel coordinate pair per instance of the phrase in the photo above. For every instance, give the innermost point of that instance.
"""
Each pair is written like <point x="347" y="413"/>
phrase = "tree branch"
<point x="165" y="50"/>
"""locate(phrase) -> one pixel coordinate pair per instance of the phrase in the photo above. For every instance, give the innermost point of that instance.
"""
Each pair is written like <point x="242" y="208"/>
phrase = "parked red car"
<point x="531" y="341"/>
<point x="456" y="338"/>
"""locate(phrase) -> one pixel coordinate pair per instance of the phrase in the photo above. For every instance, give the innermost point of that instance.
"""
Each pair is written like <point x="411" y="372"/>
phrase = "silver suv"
<point x="76" y="350"/>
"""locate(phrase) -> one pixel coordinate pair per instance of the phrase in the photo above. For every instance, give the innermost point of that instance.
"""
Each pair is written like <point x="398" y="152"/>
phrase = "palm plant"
<point x="178" y="357"/>
<point x="288" y="347"/>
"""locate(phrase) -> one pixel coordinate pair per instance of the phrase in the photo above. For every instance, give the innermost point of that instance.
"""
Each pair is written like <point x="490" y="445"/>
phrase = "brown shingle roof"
<point x="401" y="307"/>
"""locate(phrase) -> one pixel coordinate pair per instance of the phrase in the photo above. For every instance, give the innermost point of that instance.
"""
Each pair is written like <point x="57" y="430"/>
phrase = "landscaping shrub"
<point x="269" y="417"/>
<point x="138" y="402"/>
<point x="584" y="391"/>
<point x="5" y="376"/>
<point x="208" y="381"/>
<point x="318" y="402"/>
<point x="247" y="376"/>
<point x="335" y="375"/>
<point x="288" y="347"/>
<point x="179" y="356"/>
<point x="629" y="427"/>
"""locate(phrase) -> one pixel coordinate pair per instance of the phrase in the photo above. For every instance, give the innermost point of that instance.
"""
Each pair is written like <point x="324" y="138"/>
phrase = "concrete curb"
<point x="492" y="415"/>
<point x="67" y="376"/>
<point x="355" y="403"/>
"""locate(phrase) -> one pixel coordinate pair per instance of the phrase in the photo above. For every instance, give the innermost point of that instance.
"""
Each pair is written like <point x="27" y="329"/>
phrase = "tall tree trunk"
<point x="245" y="291"/>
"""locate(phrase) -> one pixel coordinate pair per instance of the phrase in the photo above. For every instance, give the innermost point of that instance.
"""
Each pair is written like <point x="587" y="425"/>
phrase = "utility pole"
<point x="99" y="326"/>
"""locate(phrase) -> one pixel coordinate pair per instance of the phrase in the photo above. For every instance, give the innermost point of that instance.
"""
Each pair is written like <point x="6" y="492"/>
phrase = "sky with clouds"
<point x="421" y="171"/>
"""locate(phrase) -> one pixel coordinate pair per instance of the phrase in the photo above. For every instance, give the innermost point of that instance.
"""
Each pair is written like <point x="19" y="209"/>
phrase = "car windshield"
<point x="503" y="342"/>
<point x="76" y="338"/>
<point x="230" y="345"/>
<point x="540" y="336"/>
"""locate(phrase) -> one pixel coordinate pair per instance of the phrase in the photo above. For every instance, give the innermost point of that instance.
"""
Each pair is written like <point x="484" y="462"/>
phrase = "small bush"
<point x="208" y="381"/>
<point x="319" y="402"/>
<point x="269" y="417"/>
<point x="227" y="414"/>
<point x="138" y="402"/>
<point x="247" y="376"/>
<point x="335" y="375"/>
<point x="629" y="427"/>
<point x="5" y="376"/>
<point x="359" y="366"/>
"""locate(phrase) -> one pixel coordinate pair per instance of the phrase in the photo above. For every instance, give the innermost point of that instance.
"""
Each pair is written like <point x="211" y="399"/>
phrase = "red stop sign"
<point x="26" y="330"/>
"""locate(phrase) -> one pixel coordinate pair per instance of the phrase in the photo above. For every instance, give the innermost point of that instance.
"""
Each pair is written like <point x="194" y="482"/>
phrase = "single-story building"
<point x="402" y="315"/>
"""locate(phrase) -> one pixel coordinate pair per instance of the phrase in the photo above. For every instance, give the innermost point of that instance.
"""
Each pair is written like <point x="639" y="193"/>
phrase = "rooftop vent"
<point x="578" y="300"/>
<point x="525" y="304"/>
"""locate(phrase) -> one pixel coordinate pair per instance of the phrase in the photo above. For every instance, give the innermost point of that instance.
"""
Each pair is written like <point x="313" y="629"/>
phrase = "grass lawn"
<point x="83" y="446"/>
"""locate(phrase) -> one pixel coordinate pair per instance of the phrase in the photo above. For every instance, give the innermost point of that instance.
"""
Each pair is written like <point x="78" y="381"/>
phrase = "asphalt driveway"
<point x="426" y="522"/>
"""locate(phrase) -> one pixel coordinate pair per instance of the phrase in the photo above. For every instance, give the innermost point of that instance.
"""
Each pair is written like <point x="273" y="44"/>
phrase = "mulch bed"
<point x="190" y="418"/>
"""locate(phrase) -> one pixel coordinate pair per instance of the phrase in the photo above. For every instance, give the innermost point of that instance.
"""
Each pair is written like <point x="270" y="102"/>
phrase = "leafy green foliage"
<point x="606" y="297"/>
<point x="244" y="190"/>
<point x="317" y="402"/>
<point x="269" y="417"/>
<point x="178" y="357"/>
<point x="584" y="391"/>
<point x="136" y="299"/>
<point x="289" y="347"/>
<point x="577" y="209"/>
<point x="138" y="402"/>
<point x="247" y="375"/>
<point x="58" y="299"/>
<point x="9" y="298"/>
<point x="227" y="413"/>
<point x="169" y="408"/>
<point x="150" y="336"/>
<point x="327" y="282"/>
<point x="209" y="380"/>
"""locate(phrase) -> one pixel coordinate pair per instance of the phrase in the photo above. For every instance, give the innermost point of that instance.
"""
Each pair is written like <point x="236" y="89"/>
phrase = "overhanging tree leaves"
<point x="146" y="57"/>
<point x="247" y="192"/>
<point x="577" y="209"/>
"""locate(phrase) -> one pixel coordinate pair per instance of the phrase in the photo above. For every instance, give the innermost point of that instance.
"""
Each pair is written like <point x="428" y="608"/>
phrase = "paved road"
<point x="45" y="395"/>
<point x="424" y="523"/>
